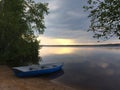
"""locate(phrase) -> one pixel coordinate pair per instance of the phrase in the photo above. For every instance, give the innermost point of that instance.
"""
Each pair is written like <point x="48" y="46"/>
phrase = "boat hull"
<point x="29" y="73"/>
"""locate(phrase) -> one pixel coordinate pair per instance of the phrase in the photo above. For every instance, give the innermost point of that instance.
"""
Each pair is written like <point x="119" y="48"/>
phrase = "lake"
<point x="85" y="68"/>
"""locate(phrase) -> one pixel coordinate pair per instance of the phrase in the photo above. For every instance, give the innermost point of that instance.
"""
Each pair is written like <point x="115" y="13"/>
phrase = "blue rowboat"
<point x="35" y="70"/>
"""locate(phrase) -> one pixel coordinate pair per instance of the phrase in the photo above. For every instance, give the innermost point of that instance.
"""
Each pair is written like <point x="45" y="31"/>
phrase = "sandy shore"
<point x="8" y="81"/>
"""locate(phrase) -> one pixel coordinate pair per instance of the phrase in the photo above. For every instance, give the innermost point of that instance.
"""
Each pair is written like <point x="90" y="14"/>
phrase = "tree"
<point x="20" y="22"/>
<point x="105" y="18"/>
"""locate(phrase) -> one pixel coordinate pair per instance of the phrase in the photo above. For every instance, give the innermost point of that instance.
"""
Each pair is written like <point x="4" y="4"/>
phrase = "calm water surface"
<point x="85" y="68"/>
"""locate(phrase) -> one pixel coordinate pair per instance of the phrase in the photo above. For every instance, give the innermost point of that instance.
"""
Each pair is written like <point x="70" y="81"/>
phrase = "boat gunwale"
<point x="38" y="67"/>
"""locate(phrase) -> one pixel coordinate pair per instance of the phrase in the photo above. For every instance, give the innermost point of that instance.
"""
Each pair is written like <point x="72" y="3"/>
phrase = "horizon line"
<point x="116" y="44"/>
<point x="82" y="44"/>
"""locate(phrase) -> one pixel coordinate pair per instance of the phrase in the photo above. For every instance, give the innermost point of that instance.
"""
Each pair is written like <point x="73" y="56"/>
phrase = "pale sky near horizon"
<point x="67" y="23"/>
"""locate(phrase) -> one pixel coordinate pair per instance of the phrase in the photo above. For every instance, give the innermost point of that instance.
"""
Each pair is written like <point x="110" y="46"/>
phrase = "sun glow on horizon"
<point x="64" y="41"/>
<point x="57" y="41"/>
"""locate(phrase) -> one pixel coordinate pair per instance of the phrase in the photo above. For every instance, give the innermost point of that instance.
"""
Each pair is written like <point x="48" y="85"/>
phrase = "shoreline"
<point x="8" y="81"/>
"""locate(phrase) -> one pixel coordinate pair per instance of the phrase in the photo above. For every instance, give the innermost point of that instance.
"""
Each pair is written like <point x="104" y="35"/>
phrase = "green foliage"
<point x="105" y="18"/>
<point x="20" y="21"/>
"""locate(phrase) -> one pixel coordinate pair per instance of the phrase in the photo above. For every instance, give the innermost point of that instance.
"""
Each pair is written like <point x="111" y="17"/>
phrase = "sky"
<point x="67" y="23"/>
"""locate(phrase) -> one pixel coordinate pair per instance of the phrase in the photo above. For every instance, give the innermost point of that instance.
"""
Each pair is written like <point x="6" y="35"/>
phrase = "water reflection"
<point x="54" y="75"/>
<point x="55" y="50"/>
<point x="45" y="51"/>
<point x="87" y="68"/>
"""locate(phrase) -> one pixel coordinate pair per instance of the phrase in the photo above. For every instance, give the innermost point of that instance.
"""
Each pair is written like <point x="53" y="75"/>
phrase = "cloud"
<point x="67" y="20"/>
<point x="75" y="14"/>
<point x="54" y="5"/>
<point x="55" y="41"/>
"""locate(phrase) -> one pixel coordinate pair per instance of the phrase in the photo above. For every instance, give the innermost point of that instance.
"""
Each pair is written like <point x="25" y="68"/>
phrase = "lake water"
<point x="85" y="68"/>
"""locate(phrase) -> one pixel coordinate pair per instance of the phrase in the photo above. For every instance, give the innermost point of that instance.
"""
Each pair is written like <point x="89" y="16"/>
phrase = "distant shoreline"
<point x="98" y="45"/>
